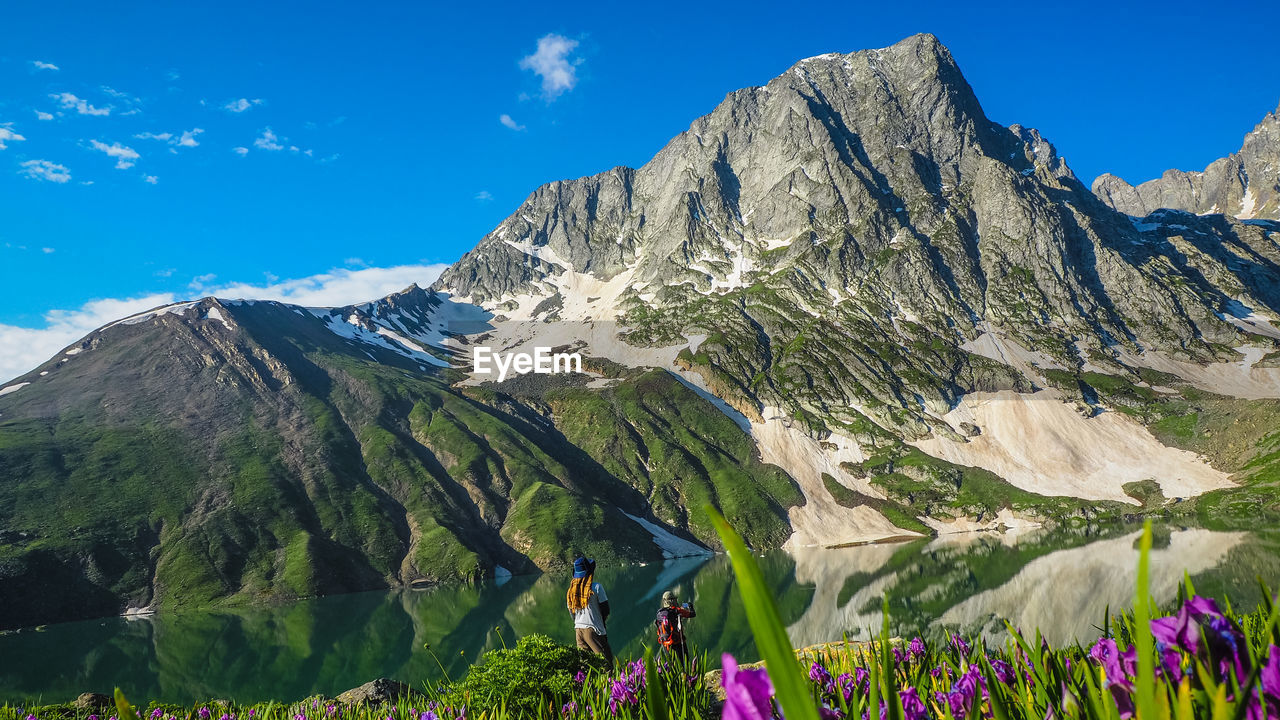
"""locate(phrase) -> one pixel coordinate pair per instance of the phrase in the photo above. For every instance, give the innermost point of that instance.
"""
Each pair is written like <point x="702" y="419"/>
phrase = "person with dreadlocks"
<point x="589" y="606"/>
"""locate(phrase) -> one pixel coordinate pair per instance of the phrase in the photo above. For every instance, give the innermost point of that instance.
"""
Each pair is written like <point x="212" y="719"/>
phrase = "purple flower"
<point x="154" y="714"/>
<point x="748" y="693"/>
<point x="1108" y="656"/>
<point x="899" y="655"/>
<point x="204" y="713"/>
<point x="1004" y="671"/>
<point x="912" y="706"/>
<point x="917" y="648"/>
<point x="959" y="644"/>
<point x="579" y="678"/>
<point x="827" y="713"/>
<point x="820" y="677"/>
<point x="429" y="715"/>
<point x="1270" y="674"/>
<point x="570" y="707"/>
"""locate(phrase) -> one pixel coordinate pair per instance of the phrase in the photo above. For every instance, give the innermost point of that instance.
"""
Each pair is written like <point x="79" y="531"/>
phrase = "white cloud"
<point x="124" y="97"/>
<point x="200" y="281"/>
<point x="47" y="250"/>
<point x="71" y="102"/>
<point x="125" y="156"/>
<point x="150" y="179"/>
<point x="45" y="170"/>
<point x="42" y="115"/>
<point x="43" y="65"/>
<point x="8" y="135"/>
<point x="551" y="63"/>
<point x="239" y="106"/>
<point x="241" y="151"/>
<point x="484" y="196"/>
<point x="23" y="349"/>
<point x="188" y="138"/>
<point x="268" y="141"/>
<point x="506" y="120"/>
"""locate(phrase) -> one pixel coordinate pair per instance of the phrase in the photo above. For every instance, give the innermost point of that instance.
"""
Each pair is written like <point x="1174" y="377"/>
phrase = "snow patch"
<point x="1247" y="204"/>
<point x="75" y="351"/>
<point x="13" y="388"/>
<point x="821" y="520"/>
<point x="216" y="314"/>
<point x="671" y="545"/>
<point x="691" y="380"/>
<point x="1235" y="379"/>
<point x="1043" y="445"/>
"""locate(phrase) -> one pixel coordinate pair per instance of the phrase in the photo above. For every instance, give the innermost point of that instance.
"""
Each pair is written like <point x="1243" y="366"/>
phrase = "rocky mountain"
<point x="1245" y="184"/>
<point x="842" y="307"/>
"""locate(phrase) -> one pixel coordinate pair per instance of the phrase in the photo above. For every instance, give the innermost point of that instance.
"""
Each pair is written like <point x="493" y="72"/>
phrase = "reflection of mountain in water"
<point x="1058" y="581"/>
<point x="1065" y="594"/>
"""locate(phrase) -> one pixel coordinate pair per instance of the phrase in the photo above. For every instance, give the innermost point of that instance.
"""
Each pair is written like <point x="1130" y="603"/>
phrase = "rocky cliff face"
<point x="1244" y="184"/>
<point x="866" y="202"/>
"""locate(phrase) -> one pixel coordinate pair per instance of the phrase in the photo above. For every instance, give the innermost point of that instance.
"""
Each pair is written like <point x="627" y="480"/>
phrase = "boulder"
<point x="375" y="692"/>
<point x="93" y="701"/>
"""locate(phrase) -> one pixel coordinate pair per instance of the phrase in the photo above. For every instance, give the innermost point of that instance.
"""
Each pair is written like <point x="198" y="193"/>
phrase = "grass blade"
<point x="1142" y="638"/>
<point x="766" y="625"/>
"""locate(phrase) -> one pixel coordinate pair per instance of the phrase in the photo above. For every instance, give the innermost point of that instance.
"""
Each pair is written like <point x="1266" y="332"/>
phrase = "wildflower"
<point x="912" y="706"/>
<point x="157" y="713"/>
<point x="570" y="707"/>
<point x="748" y="693"/>
<point x="821" y="677"/>
<point x="204" y="713"/>
<point x="579" y="678"/>
<point x="1004" y="671"/>
<point x="917" y="648"/>
<point x="428" y="715"/>
<point x="91" y="717"/>
<point x="959" y="644"/>
<point x="1107" y="654"/>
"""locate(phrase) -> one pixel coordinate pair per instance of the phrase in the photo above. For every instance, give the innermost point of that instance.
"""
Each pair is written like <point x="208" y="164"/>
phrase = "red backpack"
<point x="668" y="622"/>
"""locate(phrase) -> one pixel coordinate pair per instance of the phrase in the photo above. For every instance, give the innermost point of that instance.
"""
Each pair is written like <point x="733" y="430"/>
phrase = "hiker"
<point x="670" y="622"/>
<point x="589" y="605"/>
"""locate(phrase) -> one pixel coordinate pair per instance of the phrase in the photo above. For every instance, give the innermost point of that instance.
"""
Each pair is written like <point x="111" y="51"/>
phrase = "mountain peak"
<point x="1245" y="183"/>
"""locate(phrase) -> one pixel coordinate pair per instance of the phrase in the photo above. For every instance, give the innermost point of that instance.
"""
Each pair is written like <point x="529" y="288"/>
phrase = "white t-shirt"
<point x="590" y="616"/>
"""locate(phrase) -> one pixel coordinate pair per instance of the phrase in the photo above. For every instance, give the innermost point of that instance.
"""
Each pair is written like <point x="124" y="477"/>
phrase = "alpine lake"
<point x="1064" y="582"/>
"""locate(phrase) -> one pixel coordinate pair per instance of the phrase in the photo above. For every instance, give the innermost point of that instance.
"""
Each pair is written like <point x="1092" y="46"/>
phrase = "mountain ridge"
<point x="843" y="306"/>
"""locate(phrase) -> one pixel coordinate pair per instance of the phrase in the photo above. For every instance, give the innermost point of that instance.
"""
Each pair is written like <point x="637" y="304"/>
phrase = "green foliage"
<point x="536" y="672"/>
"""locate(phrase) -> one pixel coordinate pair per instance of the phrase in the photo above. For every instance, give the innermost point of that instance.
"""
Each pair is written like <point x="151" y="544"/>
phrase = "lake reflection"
<point x="1061" y="582"/>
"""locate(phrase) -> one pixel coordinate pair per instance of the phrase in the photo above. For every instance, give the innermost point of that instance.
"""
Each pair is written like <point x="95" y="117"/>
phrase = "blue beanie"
<point x="583" y="567"/>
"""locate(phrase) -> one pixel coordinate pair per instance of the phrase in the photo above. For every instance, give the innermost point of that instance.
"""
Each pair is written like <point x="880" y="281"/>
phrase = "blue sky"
<point x="373" y="141"/>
